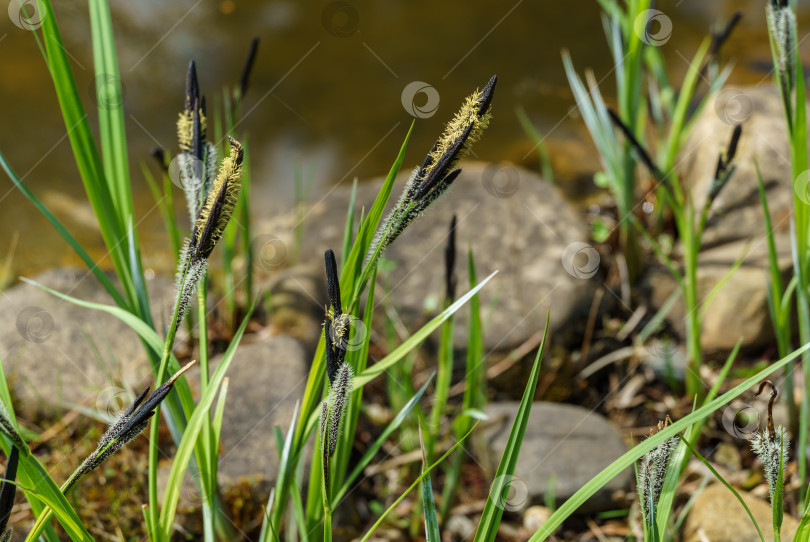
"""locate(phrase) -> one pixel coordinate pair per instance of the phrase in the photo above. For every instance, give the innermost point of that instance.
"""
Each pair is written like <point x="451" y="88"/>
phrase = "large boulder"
<point x="564" y="447"/>
<point x="57" y="354"/>
<point x="266" y="380"/>
<point x="515" y="223"/>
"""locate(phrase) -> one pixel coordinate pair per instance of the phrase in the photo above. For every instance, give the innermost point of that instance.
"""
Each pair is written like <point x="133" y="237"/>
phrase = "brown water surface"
<point x="326" y="94"/>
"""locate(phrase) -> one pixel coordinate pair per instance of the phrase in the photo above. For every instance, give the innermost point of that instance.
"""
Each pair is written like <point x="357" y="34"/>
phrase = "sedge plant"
<point x="789" y="76"/>
<point x="427" y="184"/>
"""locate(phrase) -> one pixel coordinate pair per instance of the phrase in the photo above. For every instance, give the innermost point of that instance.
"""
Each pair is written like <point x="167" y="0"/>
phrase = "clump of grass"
<point x="690" y="223"/>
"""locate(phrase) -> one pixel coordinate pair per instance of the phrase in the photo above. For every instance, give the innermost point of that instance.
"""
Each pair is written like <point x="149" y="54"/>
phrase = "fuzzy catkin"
<point x="651" y="473"/>
<point x="772" y="450"/>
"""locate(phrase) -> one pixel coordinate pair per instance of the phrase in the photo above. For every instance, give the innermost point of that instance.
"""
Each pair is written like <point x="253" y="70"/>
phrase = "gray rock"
<point x="736" y="226"/>
<point x="297" y="298"/>
<point x="265" y="380"/>
<point x="566" y="442"/>
<point x="718" y="516"/>
<point x="514" y="221"/>
<point x="57" y="353"/>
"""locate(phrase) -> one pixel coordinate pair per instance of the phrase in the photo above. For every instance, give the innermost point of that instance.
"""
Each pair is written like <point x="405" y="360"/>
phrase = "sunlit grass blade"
<point x="285" y="477"/>
<point x="725" y="483"/>
<point x="348" y="230"/>
<point x="186" y="447"/>
<point x="110" y="102"/>
<point x="414" y="340"/>
<point x="474" y="397"/>
<point x="493" y="510"/>
<point x="627" y="459"/>
<point x="32" y="474"/>
<point x="37" y="506"/>
<point x="428" y="505"/>
<point x="102" y="277"/>
<point x="543" y="156"/>
<point x="84" y="148"/>
<point x="416" y="482"/>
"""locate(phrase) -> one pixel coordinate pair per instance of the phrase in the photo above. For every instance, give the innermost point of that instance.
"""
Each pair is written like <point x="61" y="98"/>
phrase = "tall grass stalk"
<point x="789" y="77"/>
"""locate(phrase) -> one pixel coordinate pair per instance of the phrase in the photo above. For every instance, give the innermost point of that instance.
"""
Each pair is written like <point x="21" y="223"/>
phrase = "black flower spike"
<point x="192" y="87"/>
<point x="335" y="322"/>
<point x="7" y="489"/>
<point x="724" y="169"/>
<point x="721" y="37"/>
<point x="465" y="129"/>
<point x="128" y="426"/>
<point x="643" y="155"/>
<point x="161" y="157"/>
<point x="430" y="181"/>
<point x="450" y="262"/>
<point x="138" y="413"/>
<point x="333" y="282"/>
<point x="248" y="69"/>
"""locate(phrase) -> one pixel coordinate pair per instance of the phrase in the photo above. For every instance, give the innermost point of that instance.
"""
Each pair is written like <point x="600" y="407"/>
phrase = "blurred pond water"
<point x="326" y="94"/>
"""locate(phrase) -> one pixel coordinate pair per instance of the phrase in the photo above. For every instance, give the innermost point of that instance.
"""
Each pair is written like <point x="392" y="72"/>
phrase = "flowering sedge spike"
<point x="191" y="130"/>
<point x="339" y="394"/>
<point x="782" y="28"/>
<point x="336" y="324"/>
<point x="430" y="181"/>
<point x="8" y="428"/>
<point x="652" y="471"/>
<point x="336" y="333"/>
<point x="724" y="169"/>
<point x="209" y="226"/>
<point x="331" y="419"/>
<point x="126" y="427"/>
<point x="219" y="203"/>
<point x="322" y="432"/>
<point x="7" y="492"/>
<point x="771" y="445"/>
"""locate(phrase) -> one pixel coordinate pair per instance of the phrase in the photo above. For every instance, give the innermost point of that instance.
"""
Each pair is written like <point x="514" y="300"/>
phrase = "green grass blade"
<point x="414" y="340"/>
<point x="543" y="156"/>
<point x="377" y="445"/>
<point x="416" y="482"/>
<point x="474" y="398"/>
<point x="627" y="459"/>
<point x="37" y="506"/>
<point x="110" y="100"/>
<point x="725" y="483"/>
<point x="428" y="505"/>
<point x="189" y="440"/>
<point x="47" y="491"/>
<point x="84" y="147"/>
<point x="493" y="510"/>
<point x="103" y="279"/>
<point x="348" y="230"/>
<point x="180" y="405"/>
<point x="285" y="478"/>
